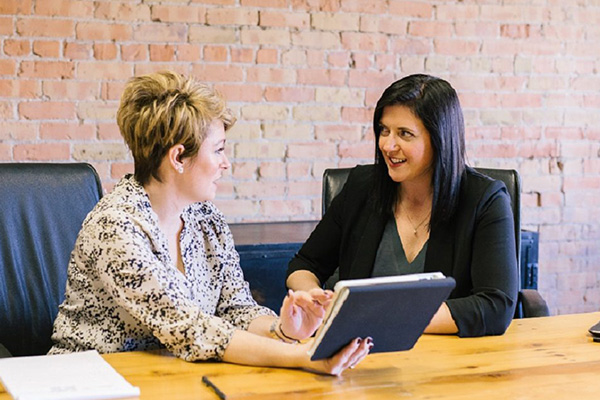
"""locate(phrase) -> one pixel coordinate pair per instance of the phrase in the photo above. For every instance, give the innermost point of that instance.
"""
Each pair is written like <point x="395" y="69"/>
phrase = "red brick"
<point x="109" y="131"/>
<point x="188" y="52"/>
<point x="316" y="5"/>
<point x="520" y="100"/>
<point x="327" y="77"/>
<point x="19" y="130"/>
<point x="289" y="94"/>
<point x="148" y="68"/>
<point x="103" y="31"/>
<point x="297" y="169"/>
<point x="430" y="29"/>
<point x="335" y="21"/>
<point x="6" y="110"/>
<point x="67" y="131"/>
<point x="270" y="75"/>
<point x="285" y="208"/>
<point x="364" y="6"/>
<point x="16" y="48"/>
<point x="74" y="90"/>
<point x="450" y="11"/>
<point x="304" y="189"/>
<point x="173" y="13"/>
<point x="315" y="58"/>
<point x="521" y="133"/>
<point x="46" y="49"/>
<point x="12" y="7"/>
<point x="243" y="92"/>
<point x="112" y="90"/>
<point x="244" y="170"/>
<point x="383" y="24"/>
<point x="47" y="110"/>
<point x="371" y="79"/>
<point x="477" y="29"/>
<point x="229" y="16"/>
<point x="260" y="189"/>
<point x="456" y="47"/>
<point x="346" y="133"/>
<point x="314" y="39"/>
<point x="7" y="67"/>
<point x="362" y="115"/>
<point x="134" y="52"/>
<point x="365" y="41"/>
<point x="411" y="9"/>
<point x="212" y="35"/>
<point x="408" y="47"/>
<point x="64" y="8"/>
<point x="218" y="73"/>
<point x="242" y="55"/>
<point x="6" y="26"/>
<point x="161" y="33"/>
<point x="5" y="152"/>
<point x="267" y="56"/>
<point x="264" y="3"/>
<point x="563" y="133"/>
<point x="118" y="169"/>
<point x="47" y="69"/>
<point x="284" y="19"/>
<point x="276" y="37"/>
<point x="364" y="150"/>
<point x="272" y="169"/>
<point x="162" y="52"/>
<point x="117" y="11"/>
<point x="215" y="53"/>
<point x="104" y="71"/>
<point x="41" y="152"/>
<point x="45" y="27"/>
<point x="311" y="150"/>
<point x="24" y="89"/>
<point x="105" y="51"/>
<point x="77" y="51"/>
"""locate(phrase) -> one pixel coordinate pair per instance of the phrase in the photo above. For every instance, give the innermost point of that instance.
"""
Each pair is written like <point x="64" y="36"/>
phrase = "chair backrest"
<point x="42" y="207"/>
<point x="335" y="178"/>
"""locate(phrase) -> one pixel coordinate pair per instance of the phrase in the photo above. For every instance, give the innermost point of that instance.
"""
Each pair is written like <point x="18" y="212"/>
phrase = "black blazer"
<point x="476" y="247"/>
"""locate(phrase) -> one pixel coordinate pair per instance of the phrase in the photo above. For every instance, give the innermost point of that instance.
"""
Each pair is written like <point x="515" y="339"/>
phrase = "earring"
<point x="180" y="169"/>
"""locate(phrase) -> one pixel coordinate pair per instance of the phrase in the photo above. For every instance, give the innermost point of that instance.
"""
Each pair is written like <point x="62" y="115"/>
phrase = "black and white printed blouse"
<point x="124" y="292"/>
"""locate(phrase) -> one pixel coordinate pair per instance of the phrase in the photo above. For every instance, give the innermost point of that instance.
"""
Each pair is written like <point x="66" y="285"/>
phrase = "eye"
<point x="220" y="150"/>
<point x="405" y="133"/>
<point x="383" y="131"/>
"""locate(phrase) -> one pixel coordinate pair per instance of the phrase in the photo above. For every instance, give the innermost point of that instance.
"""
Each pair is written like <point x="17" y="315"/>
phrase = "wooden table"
<point x="538" y="358"/>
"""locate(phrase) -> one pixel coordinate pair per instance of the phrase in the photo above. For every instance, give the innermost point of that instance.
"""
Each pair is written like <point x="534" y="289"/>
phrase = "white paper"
<point x="84" y="375"/>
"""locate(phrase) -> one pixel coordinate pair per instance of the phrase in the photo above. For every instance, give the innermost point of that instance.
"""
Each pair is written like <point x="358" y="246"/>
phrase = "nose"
<point x="389" y="144"/>
<point x="225" y="164"/>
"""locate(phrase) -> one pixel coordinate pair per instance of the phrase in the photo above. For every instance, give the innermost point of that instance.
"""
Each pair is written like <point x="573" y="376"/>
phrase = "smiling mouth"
<point x="396" y="161"/>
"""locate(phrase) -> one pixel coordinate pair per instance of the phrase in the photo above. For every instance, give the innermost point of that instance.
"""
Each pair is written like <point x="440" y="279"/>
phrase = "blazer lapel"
<point x="362" y="265"/>
<point x="440" y="250"/>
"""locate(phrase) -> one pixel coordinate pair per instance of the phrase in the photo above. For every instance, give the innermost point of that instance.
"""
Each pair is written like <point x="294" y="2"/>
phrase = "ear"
<point x="174" y="157"/>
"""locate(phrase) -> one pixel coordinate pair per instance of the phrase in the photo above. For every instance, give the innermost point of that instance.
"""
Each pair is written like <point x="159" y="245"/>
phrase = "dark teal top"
<point x="391" y="258"/>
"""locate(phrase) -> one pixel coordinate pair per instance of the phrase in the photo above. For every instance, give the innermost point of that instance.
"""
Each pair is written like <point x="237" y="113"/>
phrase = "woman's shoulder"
<point x="480" y="188"/>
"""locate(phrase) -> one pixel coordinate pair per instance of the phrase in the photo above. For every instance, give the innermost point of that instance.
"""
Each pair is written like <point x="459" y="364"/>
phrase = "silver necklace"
<point x="415" y="228"/>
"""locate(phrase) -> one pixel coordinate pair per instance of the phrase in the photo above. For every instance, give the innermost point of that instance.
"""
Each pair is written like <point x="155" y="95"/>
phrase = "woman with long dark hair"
<point x="420" y="208"/>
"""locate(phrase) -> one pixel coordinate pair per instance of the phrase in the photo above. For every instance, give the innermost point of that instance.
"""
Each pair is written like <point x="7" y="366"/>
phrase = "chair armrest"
<point x="533" y="304"/>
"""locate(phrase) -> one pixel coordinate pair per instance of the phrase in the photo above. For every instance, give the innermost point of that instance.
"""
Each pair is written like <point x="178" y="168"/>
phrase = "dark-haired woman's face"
<point x="405" y="145"/>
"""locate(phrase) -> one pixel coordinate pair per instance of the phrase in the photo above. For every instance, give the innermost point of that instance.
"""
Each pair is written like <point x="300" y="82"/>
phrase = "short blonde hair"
<point x="160" y="110"/>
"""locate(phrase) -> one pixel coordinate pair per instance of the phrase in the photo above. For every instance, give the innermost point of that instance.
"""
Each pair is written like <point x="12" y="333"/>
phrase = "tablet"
<point x="394" y="311"/>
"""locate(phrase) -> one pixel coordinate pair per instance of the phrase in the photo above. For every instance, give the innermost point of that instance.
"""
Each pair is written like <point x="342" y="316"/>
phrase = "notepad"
<point x="85" y="375"/>
<point x="394" y="311"/>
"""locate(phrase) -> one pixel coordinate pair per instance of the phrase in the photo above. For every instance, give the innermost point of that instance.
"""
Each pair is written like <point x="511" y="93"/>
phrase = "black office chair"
<point x="42" y="207"/>
<point x="530" y="303"/>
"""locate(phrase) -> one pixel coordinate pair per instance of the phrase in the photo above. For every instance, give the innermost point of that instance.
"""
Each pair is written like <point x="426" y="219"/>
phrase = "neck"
<point x="415" y="195"/>
<point x="164" y="203"/>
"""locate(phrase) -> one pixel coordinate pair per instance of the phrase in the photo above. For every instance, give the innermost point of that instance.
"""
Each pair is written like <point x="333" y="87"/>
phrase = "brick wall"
<point x="303" y="76"/>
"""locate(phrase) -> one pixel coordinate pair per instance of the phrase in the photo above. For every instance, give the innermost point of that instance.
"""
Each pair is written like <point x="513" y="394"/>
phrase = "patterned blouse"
<point x="124" y="292"/>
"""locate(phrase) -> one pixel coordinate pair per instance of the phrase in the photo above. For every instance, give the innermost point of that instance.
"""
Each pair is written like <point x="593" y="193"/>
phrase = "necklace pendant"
<point x="415" y="232"/>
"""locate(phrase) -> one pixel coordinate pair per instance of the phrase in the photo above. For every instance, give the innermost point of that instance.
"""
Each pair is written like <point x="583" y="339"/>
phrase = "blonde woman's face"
<point x="207" y="167"/>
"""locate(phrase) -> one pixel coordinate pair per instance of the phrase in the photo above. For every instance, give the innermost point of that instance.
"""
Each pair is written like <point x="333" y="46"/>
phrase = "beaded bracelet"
<point x="274" y="332"/>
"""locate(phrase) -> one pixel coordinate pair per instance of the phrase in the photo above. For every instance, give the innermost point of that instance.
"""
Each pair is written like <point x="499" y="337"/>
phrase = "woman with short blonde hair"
<point x="155" y="265"/>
